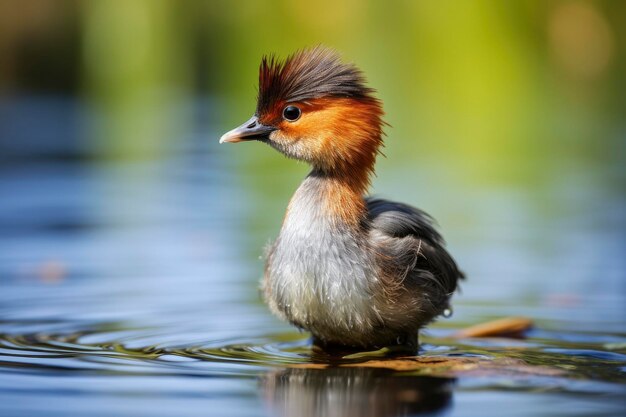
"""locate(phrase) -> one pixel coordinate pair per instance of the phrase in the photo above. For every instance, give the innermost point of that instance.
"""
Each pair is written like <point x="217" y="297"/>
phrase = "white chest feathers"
<point x="320" y="274"/>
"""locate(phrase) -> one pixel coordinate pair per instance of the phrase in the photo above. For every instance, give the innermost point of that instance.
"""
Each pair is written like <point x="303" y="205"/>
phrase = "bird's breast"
<point x="320" y="273"/>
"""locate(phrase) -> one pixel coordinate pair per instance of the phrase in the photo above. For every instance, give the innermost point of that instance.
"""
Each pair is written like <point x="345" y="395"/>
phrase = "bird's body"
<point x="354" y="271"/>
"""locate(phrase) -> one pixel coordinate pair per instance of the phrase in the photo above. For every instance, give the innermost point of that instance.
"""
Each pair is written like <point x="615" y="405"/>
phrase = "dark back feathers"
<point x="400" y="220"/>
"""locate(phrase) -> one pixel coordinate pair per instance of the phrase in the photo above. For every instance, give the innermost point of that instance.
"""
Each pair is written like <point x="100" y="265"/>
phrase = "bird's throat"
<point x="335" y="197"/>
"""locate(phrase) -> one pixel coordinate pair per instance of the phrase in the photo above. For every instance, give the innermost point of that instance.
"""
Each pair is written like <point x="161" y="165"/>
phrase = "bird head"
<point x="317" y="109"/>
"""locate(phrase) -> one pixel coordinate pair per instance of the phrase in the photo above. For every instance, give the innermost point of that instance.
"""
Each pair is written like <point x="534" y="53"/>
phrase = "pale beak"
<point x="250" y="130"/>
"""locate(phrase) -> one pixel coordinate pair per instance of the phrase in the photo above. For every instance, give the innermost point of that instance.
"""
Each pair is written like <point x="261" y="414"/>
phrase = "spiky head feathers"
<point x="308" y="74"/>
<point x="322" y="110"/>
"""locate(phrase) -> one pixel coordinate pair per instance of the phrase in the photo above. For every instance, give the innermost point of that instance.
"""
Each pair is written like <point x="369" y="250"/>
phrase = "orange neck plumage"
<point x="348" y="138"/>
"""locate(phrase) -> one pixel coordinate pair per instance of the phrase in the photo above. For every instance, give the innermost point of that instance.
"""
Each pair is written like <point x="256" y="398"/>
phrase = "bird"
<point x="357" y="272"/>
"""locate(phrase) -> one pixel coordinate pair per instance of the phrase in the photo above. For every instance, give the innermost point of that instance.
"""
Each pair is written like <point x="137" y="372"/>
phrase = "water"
<point x="129" y="287"/>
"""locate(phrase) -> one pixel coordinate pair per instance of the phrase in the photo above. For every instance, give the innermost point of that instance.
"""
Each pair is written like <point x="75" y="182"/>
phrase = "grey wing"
<point x="411" y="238"/>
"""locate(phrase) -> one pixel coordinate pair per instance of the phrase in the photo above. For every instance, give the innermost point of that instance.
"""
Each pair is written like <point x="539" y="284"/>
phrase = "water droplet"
<point x="447" y="313"/>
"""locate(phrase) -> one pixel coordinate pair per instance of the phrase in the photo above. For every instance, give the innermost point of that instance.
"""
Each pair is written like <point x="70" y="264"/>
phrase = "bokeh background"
<point x="492" y="105"/>
<point x="504" y="89"/>
<point x="119" y="211"/>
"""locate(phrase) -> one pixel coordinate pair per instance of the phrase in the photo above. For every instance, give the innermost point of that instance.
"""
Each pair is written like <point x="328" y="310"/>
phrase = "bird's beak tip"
<point x="227" y="139"/>
<point x="233" y="136"/>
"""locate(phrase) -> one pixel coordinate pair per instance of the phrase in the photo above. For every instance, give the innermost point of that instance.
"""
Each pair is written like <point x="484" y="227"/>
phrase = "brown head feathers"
<point x="308" y="74"/>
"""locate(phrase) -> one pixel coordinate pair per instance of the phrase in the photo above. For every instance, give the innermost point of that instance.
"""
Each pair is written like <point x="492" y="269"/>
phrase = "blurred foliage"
<point x="503" y="89"/>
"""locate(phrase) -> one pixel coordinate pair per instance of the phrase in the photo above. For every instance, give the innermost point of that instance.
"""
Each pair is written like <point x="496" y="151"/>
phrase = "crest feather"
<point x="308" y="74"/>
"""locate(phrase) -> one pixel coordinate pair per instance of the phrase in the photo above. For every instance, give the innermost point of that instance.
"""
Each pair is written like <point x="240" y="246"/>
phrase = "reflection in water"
<point x="352" y="391"/>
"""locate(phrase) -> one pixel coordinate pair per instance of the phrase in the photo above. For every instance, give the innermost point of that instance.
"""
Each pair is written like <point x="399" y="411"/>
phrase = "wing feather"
<point x="415" y="244"/>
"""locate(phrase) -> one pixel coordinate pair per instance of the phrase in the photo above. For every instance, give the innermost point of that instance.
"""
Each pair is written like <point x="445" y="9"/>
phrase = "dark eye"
<point x="291" y="113"/>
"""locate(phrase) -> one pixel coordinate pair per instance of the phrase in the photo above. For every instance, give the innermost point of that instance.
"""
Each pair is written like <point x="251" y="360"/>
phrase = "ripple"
<point x="278" y="353"/>
<point x="111" y="347"/>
